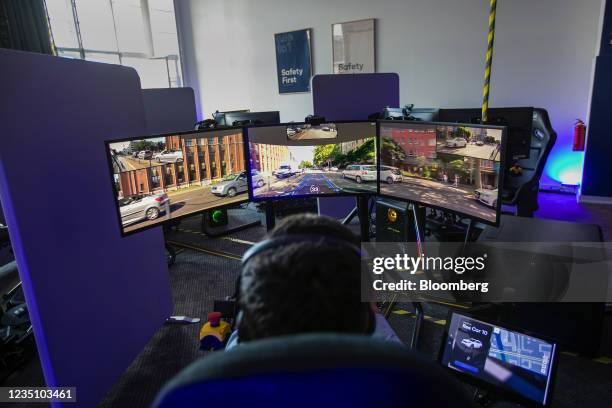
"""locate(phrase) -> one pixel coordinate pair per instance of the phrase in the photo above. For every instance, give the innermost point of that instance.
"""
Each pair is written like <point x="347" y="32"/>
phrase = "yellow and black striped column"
<point x="489" y="60"/>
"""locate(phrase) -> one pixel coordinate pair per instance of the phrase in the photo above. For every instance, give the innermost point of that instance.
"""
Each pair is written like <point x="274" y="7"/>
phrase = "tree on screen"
<point x="391" y="152"/>
<point x="326" y="154"/>
<point x="305" y="164"/>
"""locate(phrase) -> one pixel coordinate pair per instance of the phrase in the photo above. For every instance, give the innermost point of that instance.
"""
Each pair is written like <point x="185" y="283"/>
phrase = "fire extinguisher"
<point x="579" y="136"/>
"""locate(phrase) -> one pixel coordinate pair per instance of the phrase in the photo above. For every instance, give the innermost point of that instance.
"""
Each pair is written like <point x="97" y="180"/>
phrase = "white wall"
<point x="543" y="51"/>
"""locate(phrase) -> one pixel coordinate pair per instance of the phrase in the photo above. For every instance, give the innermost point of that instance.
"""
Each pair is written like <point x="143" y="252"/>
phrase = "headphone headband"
<point x="288" y="239"/>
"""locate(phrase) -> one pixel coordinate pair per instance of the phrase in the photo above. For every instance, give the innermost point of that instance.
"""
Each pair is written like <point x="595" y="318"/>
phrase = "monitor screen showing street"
<point x="448" y="166"/>
<point x="297" y="160"/>
<point x="500" y="357"/>
<point x="163" y="177"/>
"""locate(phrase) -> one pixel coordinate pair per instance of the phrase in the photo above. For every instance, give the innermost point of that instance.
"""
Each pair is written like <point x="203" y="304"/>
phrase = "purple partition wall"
<point x="169" y="110"/>
<point x="351" y="97"/>
<point x="95" y="298"/>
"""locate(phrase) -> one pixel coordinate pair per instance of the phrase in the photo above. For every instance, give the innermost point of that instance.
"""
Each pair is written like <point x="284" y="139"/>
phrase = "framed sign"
<point x="293" y="61"/>
<point x="353" y="47"/>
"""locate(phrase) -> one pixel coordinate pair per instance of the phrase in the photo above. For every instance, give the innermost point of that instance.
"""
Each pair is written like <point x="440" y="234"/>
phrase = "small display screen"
<point x="159" y="178"/>
<point x="302" y="160"/>
<point x="448" y="166"/>
<point x="500" y="357"/>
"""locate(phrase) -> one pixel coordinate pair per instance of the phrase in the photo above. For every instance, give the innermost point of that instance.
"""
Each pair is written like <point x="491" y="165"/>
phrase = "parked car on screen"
<point x="169" y="156"/>
<point x="145" y="155"/>
<point x="231" y="185"/>
<point x="142" y="207"/>
<point x="456" y="142"/>
<point x="390" y="174"/>
<point x="487" y="196"/>
<point x="360" y="172"/>
<point x="257" y="178"/>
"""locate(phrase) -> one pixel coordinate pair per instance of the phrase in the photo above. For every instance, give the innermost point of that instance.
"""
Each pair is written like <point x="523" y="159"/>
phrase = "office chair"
<point x="314" y="370"/>
<point x="522" y="190"/>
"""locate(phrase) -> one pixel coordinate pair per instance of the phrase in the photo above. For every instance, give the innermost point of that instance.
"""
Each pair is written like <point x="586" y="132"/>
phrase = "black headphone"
<point x="288" y="239"/>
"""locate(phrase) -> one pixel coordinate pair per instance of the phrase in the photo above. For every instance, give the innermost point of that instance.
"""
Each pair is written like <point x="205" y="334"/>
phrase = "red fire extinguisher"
<point x="579" y="136"/>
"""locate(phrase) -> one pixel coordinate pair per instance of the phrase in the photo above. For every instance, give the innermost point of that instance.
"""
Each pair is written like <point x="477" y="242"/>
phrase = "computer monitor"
<point x="219" y="117"/>
<point x="425" y="114"/>
<point x="295" y="160"/>
<point x="519" y="122"/>
<point x="503" y="360"/>
<point x="452" y="167"/>
<point x="252" y="118"/>
<point x="160" y="178"/>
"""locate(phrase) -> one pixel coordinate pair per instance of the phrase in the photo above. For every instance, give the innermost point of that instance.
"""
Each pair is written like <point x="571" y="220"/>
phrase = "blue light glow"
<point x="566" y="167"/>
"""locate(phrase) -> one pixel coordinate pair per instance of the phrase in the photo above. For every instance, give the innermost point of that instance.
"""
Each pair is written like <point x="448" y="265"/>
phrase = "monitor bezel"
<point x="502" y="169"/>
<point x="247" y="154"/>
<point x="114" y="190"/>
<point x="498" y="391"/>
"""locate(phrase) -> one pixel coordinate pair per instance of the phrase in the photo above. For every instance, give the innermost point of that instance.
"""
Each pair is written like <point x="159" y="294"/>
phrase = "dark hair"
<point x="304" y="286"/>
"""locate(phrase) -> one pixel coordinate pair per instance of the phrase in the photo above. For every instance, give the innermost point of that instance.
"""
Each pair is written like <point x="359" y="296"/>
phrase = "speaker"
<point x="216" y="218"/>
<point x="394" y="221"/>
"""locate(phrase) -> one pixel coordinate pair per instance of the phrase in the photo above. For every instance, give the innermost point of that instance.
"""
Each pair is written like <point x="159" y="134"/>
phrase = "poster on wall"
<point x="293" y="61"/>
<point x="353" y="47"/>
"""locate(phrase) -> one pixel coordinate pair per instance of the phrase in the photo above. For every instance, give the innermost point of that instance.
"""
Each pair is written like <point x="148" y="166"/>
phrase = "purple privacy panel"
<point x="169" y="110"/>
<point x="351" y="97"/>
<point x="354" y="96"/>
<point x="95" y="299"/>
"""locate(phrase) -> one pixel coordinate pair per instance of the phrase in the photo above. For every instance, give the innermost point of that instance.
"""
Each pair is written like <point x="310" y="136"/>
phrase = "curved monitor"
<point x="160" y="178"/>
<point x="448" y="166"/>
<point x="295" y="160"/>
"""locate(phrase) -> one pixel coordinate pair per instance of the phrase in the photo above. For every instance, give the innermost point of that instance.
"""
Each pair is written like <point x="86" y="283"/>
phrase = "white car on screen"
<point x="142" y="207"/>
<point x="456" y="142"/>
<point x="169" y="156"/>
<point x="360" y="172"/>
<point x="390" y="174"/>
<point x="487" y="196"/>
<point x="472" y="343"/>
<point x="284" y="171"/>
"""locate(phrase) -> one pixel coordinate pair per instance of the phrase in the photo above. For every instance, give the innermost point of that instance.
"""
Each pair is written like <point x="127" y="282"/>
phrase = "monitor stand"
<point x="362" y="211"/>
<point x="418" y="219"/>
<point x="270" y="217"/>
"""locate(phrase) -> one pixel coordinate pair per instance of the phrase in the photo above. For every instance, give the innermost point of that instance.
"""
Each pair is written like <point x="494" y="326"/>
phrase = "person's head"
<point x="308" y="280"/>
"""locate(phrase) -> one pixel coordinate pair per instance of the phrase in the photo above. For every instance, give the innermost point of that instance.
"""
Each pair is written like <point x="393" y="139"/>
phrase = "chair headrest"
<point x="303" y="367"/>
